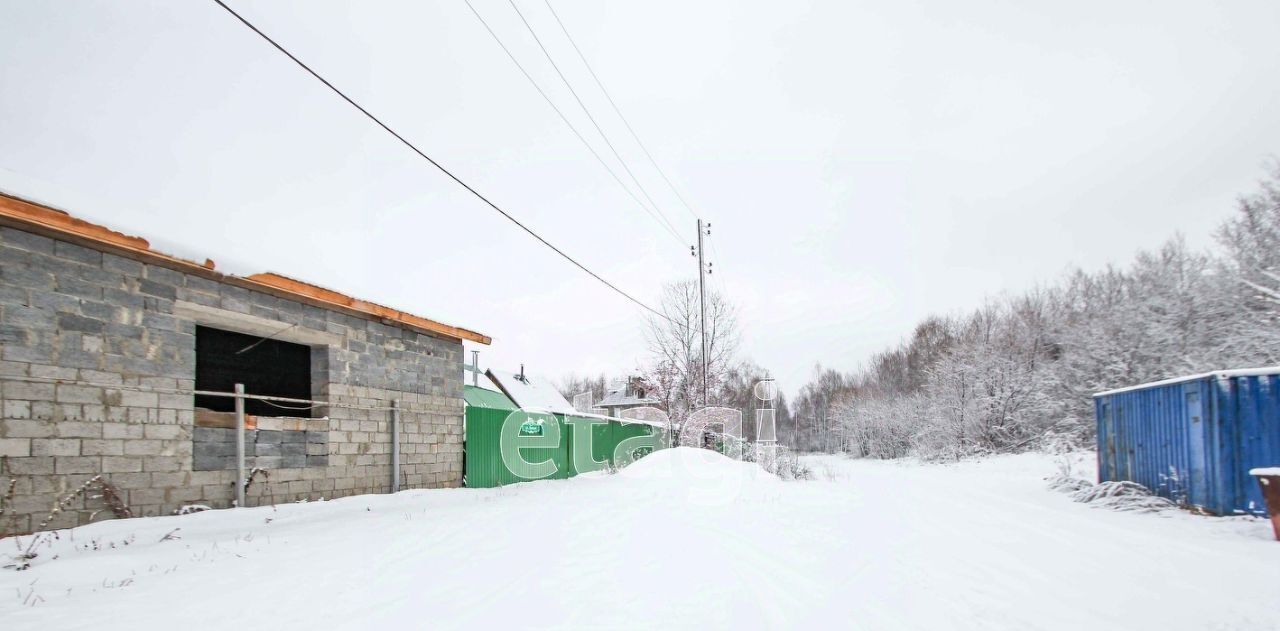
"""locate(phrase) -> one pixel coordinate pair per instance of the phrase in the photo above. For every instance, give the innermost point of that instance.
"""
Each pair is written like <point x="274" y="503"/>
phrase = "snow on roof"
<point x="1221" y="374"/>
<point x="622" y="394"/>
<point x="530" y="393"/>
<point x="622" y="420"/>
<point x="619" y="398"/>
<point x="482" y="380"/>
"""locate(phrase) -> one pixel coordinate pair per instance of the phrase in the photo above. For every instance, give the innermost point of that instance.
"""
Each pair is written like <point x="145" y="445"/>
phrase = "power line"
<point x="587" y="111"/>
<point x="437" y="165"/>
<point x="618" y="111"/>
<point x="559" y="112"/>
<point x="644" y="148"/>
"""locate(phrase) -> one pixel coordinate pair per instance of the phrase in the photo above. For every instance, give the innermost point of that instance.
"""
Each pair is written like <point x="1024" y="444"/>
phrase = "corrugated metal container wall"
<point x="1251" y="413"/>
<point x="1194" y="440"/>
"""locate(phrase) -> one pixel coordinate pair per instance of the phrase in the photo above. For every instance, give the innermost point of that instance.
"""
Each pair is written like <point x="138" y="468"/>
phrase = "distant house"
<point x="632" y="392"/>
<point x="115" y="360"/>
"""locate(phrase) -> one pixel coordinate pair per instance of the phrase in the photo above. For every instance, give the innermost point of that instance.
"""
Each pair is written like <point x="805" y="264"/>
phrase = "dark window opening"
<point x="265" y="367"/>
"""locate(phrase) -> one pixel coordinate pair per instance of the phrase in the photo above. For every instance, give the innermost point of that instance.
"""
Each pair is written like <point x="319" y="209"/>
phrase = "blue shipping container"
<point x="1194" y="439"/>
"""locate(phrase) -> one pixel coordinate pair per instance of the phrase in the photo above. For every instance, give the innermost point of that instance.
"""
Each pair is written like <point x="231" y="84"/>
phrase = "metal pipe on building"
<point x="475" y="368"/>
<point x="395" y="445"/>
<point x="240" y="445"/>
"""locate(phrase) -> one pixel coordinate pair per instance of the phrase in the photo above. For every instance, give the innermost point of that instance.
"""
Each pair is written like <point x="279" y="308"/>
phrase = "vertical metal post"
<point x="240" y="445"/>
<point x="395" y="445"/>
<point x="475" y="368"/>
<point x="702" y="302"/>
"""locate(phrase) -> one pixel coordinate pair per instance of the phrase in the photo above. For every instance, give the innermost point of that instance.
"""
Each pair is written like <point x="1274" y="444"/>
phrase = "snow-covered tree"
<point x="1252" y="242"/>
<point x="1022" y="368"/>
<point x="674" y="368"/>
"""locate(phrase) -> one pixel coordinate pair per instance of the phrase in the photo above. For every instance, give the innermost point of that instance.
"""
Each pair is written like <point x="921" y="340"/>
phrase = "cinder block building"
<point x="114" y="361"/>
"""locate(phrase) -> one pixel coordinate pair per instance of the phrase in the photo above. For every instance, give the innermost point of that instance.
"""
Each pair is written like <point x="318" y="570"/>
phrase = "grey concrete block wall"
<point x="215" y="448"/>
<point x="75" y="313"/>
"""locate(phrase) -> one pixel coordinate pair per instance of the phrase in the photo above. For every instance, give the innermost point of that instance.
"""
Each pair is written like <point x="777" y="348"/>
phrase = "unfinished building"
<point x="116" y="361"/>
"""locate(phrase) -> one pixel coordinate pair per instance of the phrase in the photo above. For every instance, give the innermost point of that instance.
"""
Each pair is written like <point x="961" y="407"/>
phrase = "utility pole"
<point x="702" y="301"/>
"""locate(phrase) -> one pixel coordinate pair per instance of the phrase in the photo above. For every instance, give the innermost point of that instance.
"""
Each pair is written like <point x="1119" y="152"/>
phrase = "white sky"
<point x="862" y="164"/>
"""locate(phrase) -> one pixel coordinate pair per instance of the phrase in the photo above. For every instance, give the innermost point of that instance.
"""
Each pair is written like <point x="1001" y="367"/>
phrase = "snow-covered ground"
<point x="681" y="539"/>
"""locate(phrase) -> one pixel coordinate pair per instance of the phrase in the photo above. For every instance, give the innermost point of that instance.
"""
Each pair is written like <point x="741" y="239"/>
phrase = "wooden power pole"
<point x="702" y="302"/>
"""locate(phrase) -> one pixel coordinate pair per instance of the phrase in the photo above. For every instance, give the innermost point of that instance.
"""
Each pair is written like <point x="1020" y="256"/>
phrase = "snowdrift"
<point x="682" y="535"/>
<point x="681" y="463"/>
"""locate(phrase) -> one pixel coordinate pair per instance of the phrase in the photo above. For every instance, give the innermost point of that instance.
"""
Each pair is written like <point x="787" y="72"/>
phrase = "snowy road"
<point x="875" y="545"/>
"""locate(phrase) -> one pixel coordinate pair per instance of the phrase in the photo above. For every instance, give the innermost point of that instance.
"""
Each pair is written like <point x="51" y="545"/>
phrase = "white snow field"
<point x="682" y="539"/>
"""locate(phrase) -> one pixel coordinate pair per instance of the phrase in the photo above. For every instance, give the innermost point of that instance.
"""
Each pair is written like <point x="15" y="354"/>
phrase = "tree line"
<point x="1020" y="370"/>
<point x="1017" y="372"/>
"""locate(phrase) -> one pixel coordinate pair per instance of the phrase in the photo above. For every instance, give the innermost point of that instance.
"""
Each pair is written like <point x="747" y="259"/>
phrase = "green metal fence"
<point x="546" y="442"/>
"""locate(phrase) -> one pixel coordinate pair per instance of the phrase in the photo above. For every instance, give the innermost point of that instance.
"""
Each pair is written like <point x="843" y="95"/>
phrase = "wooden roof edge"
<point x="57" y="223"/>
<point x="61" y="222"/>
<point x="321" y="294"/>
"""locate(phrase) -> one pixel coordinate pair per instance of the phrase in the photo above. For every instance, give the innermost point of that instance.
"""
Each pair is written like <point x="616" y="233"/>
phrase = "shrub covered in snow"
<point x="1068" y="484"/>
<point x="1123" y="496"/>
<point x="784" y="464"/>
<point x="788" y="467"/>
<point x="1115" y="495"/>
<point x="1065" y="479"/>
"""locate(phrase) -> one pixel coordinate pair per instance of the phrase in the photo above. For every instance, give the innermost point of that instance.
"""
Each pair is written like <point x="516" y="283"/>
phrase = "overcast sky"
<point x="862" y="164"/>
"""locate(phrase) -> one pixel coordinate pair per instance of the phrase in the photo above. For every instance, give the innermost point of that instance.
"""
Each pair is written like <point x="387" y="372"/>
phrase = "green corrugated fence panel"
<point x="622" y="432"/>
<point x="485" y="468"/>
<point x="600" y="441"/>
